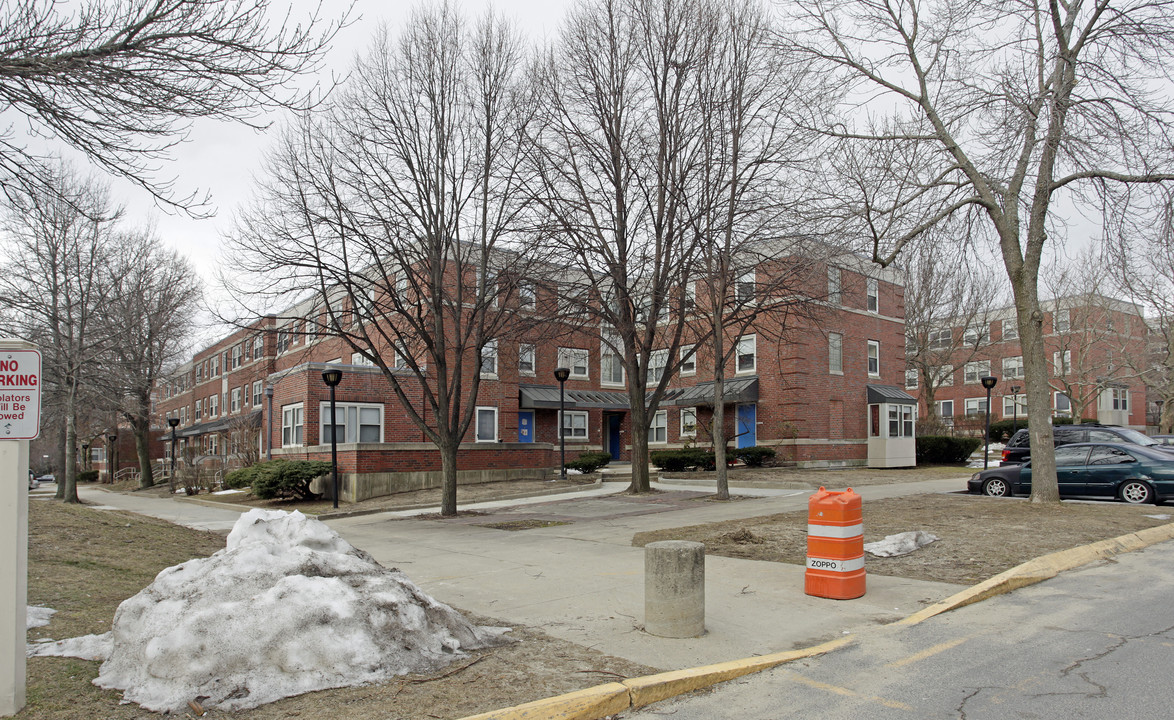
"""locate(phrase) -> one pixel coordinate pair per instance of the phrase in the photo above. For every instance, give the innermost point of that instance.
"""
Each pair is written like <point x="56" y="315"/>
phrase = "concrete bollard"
<point x="674" y="588"/>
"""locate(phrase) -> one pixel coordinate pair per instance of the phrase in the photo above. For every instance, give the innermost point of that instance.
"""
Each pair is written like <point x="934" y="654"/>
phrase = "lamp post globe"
<point x="561" y="374"/>
<point x="332" y="378"/>
<point x="988" y="382"/>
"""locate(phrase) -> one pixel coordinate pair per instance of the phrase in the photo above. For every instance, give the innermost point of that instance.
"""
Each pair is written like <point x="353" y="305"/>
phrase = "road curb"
<point x="1045" y="567"/>
<point x="603" y="700"/>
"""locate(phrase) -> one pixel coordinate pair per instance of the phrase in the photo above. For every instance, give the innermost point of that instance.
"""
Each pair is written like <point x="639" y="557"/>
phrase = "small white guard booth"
<point x="892" y="422"/>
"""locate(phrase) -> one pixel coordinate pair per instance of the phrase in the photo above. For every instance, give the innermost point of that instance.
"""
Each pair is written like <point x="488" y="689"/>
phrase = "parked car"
<point x="1133" y="473"/>
<point x="1018" y="448"/>
<point x="46" y="478"/>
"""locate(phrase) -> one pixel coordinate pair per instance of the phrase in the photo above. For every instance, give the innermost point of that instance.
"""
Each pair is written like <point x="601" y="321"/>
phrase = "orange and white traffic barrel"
<point x="835" y="545"/>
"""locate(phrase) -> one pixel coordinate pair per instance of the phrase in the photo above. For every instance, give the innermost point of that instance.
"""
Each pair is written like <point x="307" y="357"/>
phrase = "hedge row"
<point x="279" y="478"/>
<point x="588" y="462"/>
<point x="934" y="449"/>
<point x="698" y="459"/>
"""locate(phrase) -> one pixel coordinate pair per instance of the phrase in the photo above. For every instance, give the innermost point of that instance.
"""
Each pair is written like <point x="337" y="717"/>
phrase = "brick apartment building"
<point x="806" y="392"/>
<point x="1093" y="344"/>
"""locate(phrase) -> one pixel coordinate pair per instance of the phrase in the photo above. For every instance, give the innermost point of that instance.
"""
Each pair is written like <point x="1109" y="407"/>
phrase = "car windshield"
<point x="1134" y="436"/>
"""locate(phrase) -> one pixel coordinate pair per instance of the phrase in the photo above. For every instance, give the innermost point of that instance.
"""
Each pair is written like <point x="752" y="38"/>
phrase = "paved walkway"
<point x="584" y="582"/>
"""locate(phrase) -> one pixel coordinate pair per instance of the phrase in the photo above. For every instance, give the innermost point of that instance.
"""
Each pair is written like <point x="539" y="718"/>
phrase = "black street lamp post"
<point x="561" y="374"/>
<point x="269" y="423"/>
<point x="111" y="456"/>
<point x="332" y="378"/>
<point x="1015" y="416"/>
<point x="988" y="382"/>
<point x="173" y="422"/>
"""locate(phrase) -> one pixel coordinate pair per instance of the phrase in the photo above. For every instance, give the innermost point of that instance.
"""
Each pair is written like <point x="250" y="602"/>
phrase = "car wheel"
<point x="996" y="487"/>
<point x="1136" y="492"/>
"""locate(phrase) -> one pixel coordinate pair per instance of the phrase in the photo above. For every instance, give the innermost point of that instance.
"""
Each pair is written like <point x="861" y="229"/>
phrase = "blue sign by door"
<point x="526" y="426"/>
<point x="747" y="427"/>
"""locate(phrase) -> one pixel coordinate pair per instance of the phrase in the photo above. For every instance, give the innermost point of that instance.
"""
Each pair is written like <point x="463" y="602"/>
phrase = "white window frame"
<point x="746" y="288"/>
<point x="1011" y="401"/>
<point x="978" y="404"/>
<point x="873" y="363"/>
<point x="1119" y="398"/>
<point x="912" y="378"/>
<point x="835" y="353"/>
<point x="236" y="356"/>
<point x="658" y="429"/>
<point x="658" y="363"/>
<point x="940" y="339"/>
<point x="1061" y="321"/>
<point x="579" y="430"/>
<point x="528" y="352"/>
<point x="688" y="429"/>
<point x="293" y="425"/>
<point x="944" y="375"/>
<point x="213" y="406"/>
<point x="478" y="437"/>
<point x="350" y="434"/>
<point x="872" y="295"/>
<point x="236" y="400"/>
<point x="973" y="372"/>
<point x="1011" y="329"/>
<point x="257" y="390"/>
<point x="527" y="295"/>
<point x="1056" y="409"/>
<point x="835" y="286"/>
<point x="615" y="361"/>
<point x="976" y="335"/>
<point x="688" y="366"/>
<point x="358" y="358"/>
<point x="488" y="354"/>
<point x="747" y="346"/>
<point x="577" y="360"/>
<point x="1062" y="362"/>
<point x="1013" y="368"/>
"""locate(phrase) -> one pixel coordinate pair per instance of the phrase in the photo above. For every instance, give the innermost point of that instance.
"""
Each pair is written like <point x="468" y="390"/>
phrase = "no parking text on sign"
<point x="20" y="394"/>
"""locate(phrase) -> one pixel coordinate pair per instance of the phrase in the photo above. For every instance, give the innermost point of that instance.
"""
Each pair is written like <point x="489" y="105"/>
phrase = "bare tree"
<point x="121" y="81"/>
<point x="398" y="211"/>
<point x="54" y="285"/>
<point x="992" y="110"/>
<point x="947" y="313"/>
<point x="149" y="315"/>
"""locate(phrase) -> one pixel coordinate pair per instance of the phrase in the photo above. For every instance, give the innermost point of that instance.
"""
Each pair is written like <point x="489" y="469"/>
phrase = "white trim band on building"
<point x="835" y="531"/>
<point x="814" y="563"/>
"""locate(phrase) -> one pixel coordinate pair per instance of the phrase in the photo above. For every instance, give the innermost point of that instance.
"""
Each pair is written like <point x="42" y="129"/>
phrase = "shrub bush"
<point x="943" y="449"/>
<point x="755" y="455"/>
<point x="242" y="477"/>
<point x="288" y="478"/>
<point x="683" y="459"/>
<point x="588" y="462"/>
<point x="88" y="476"/>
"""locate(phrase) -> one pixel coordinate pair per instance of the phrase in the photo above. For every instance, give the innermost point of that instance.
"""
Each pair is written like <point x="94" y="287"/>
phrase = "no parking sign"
<point x="20" y="394"/>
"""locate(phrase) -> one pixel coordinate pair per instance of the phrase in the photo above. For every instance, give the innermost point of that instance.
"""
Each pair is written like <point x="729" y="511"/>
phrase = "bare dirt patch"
<point x="84" y="562"/>
<point x="978" y="536"/>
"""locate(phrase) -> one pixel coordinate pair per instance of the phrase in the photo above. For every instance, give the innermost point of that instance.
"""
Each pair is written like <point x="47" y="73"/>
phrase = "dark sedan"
<point x="1132" y="473"/>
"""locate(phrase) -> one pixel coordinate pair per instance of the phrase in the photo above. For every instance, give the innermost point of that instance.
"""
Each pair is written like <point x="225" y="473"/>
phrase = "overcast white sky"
<point x="223" y="159"/>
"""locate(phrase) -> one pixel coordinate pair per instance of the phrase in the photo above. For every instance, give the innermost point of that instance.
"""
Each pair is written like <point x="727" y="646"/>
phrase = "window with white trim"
<point x="940" y="339"/>
<point x="835" y="353"/>
<point x="574" y="359"/>
<point x="746" y="288"/>
<point x="976" y="335"/>
<point x="486" y="424"/>
<point x="574" y="425"/>
<point x="236" y="356"/>
<point x="291" y="425"/>
<point x="356" y="423"/>
<point x="1013" y="367"/>
<point x="873" y="358"/>
<point x="1011" y="329"/>
<point x="282" y="341"/>
<point x="1119" y="398"/>
<point x="911" y="378"/>
<point x="690" y="296"/>
<point x="974" y="371"/>
<point x="834" y="286"/>
<point x="873" y="291"/>
<point x="213" y="405"/>
<point x="526" y="359"/>
<point x="1061" y="321"/>
<point x="658" y="360"/>
<point x="975" y="406"/>
<point x="527" y="297"/>
<point x="688" y="361"/>
<point x="658" y="430"/>
<point x="611" y="365"/>
<point x="944" y="375"/>
<point x="489" y="359"/>
<point x="1062" y="404"/>
<point x="688" y="422"/>
<point x="746" y="359"/>
<point x="1062" y="362"/>
<point x="257" y="394"/>
<point x="236" y="400"/>
<point x="1011" y="401"/>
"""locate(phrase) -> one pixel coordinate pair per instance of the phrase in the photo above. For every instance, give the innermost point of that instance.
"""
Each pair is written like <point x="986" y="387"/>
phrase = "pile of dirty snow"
<point x="36" y="617"/>
<point x="286" y="608"/>
<point x="900" y="544"/>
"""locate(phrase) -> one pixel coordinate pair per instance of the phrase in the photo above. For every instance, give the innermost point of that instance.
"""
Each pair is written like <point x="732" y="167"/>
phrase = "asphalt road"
<point x="1097" y="642"/>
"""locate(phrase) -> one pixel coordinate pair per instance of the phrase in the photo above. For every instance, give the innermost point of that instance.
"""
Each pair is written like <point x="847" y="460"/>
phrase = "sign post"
<point x="20" y="421"/>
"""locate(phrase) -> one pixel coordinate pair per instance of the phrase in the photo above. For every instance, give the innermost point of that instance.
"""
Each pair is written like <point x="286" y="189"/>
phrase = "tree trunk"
<point x="67" y="486"/>
<point x="1039" y="407"/>
<point x="719" y="437"/>
<point x="448" y="472"/>
<point x="143" y="449"/>
<point x="639" y="428"/>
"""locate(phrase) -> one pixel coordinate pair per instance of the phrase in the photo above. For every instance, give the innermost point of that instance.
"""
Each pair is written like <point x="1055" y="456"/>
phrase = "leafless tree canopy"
<point x="122" y="80"/>
<point x="991" y="109"/>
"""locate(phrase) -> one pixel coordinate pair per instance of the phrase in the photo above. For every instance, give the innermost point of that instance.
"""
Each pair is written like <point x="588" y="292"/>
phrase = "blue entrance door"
<point x="526" y="426"/>
<point x="747" y="427"/>
<point x="613" y="436"/>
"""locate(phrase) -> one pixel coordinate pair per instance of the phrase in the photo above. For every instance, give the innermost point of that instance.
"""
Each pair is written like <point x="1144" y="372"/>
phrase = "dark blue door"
<point x="747" y="427"/>
<point x="526" y="426"/>
<point x="613" y="436"/>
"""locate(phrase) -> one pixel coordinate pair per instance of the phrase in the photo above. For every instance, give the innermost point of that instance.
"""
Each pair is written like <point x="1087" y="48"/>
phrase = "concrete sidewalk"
<point x="584" y="582"/>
